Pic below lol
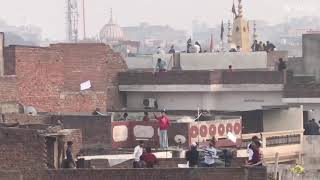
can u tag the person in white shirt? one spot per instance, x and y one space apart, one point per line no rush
249 149
160 51
138 151
197 48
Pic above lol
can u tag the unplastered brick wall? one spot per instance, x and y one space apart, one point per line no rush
49 78
75 136
144 174
22 149
40 78
96 130
8 89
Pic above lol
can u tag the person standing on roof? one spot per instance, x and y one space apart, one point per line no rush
172 50
160 51
192 156
256 159
164 124
70 159
138 151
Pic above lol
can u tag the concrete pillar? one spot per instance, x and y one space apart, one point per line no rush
176 62
1 54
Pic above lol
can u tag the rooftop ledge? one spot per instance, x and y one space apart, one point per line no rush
217 77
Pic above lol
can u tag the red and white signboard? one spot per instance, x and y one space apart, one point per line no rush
202 131
127 134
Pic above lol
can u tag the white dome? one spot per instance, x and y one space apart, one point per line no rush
111 32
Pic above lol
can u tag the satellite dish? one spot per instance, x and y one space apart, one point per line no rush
30 110
179 139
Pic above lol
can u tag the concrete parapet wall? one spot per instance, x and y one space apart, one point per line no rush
141 174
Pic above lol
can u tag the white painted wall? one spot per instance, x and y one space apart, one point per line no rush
233 101
238 60
168 101
309 104
204 61
243 101
314 111
148 61
282 120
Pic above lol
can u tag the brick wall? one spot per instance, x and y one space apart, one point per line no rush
22 149
49 78
8 89
144 174
40 77
74 135
9 61
95 129
10 175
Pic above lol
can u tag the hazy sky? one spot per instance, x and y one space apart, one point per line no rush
50 14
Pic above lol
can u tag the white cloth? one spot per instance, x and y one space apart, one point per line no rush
197 47
160 51
210 154
138 150
250 152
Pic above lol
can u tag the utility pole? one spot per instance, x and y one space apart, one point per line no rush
84 19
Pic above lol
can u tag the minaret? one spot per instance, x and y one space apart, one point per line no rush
229 33
240 32
112 20
240 10
255 35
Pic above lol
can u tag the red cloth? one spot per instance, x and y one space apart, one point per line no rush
150 159
164 122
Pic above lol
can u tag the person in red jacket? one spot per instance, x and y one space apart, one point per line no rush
164 124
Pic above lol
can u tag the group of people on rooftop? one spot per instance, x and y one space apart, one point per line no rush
211 158
143 158
262 46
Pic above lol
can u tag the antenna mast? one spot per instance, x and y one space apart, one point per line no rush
84 19
72 20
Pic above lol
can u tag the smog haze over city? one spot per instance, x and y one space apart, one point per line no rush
50 15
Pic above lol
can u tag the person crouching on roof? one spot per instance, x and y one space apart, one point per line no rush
210 155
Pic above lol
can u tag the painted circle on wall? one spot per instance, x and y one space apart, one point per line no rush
221 129
229 127
237 128
212 130
203 131
194 132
